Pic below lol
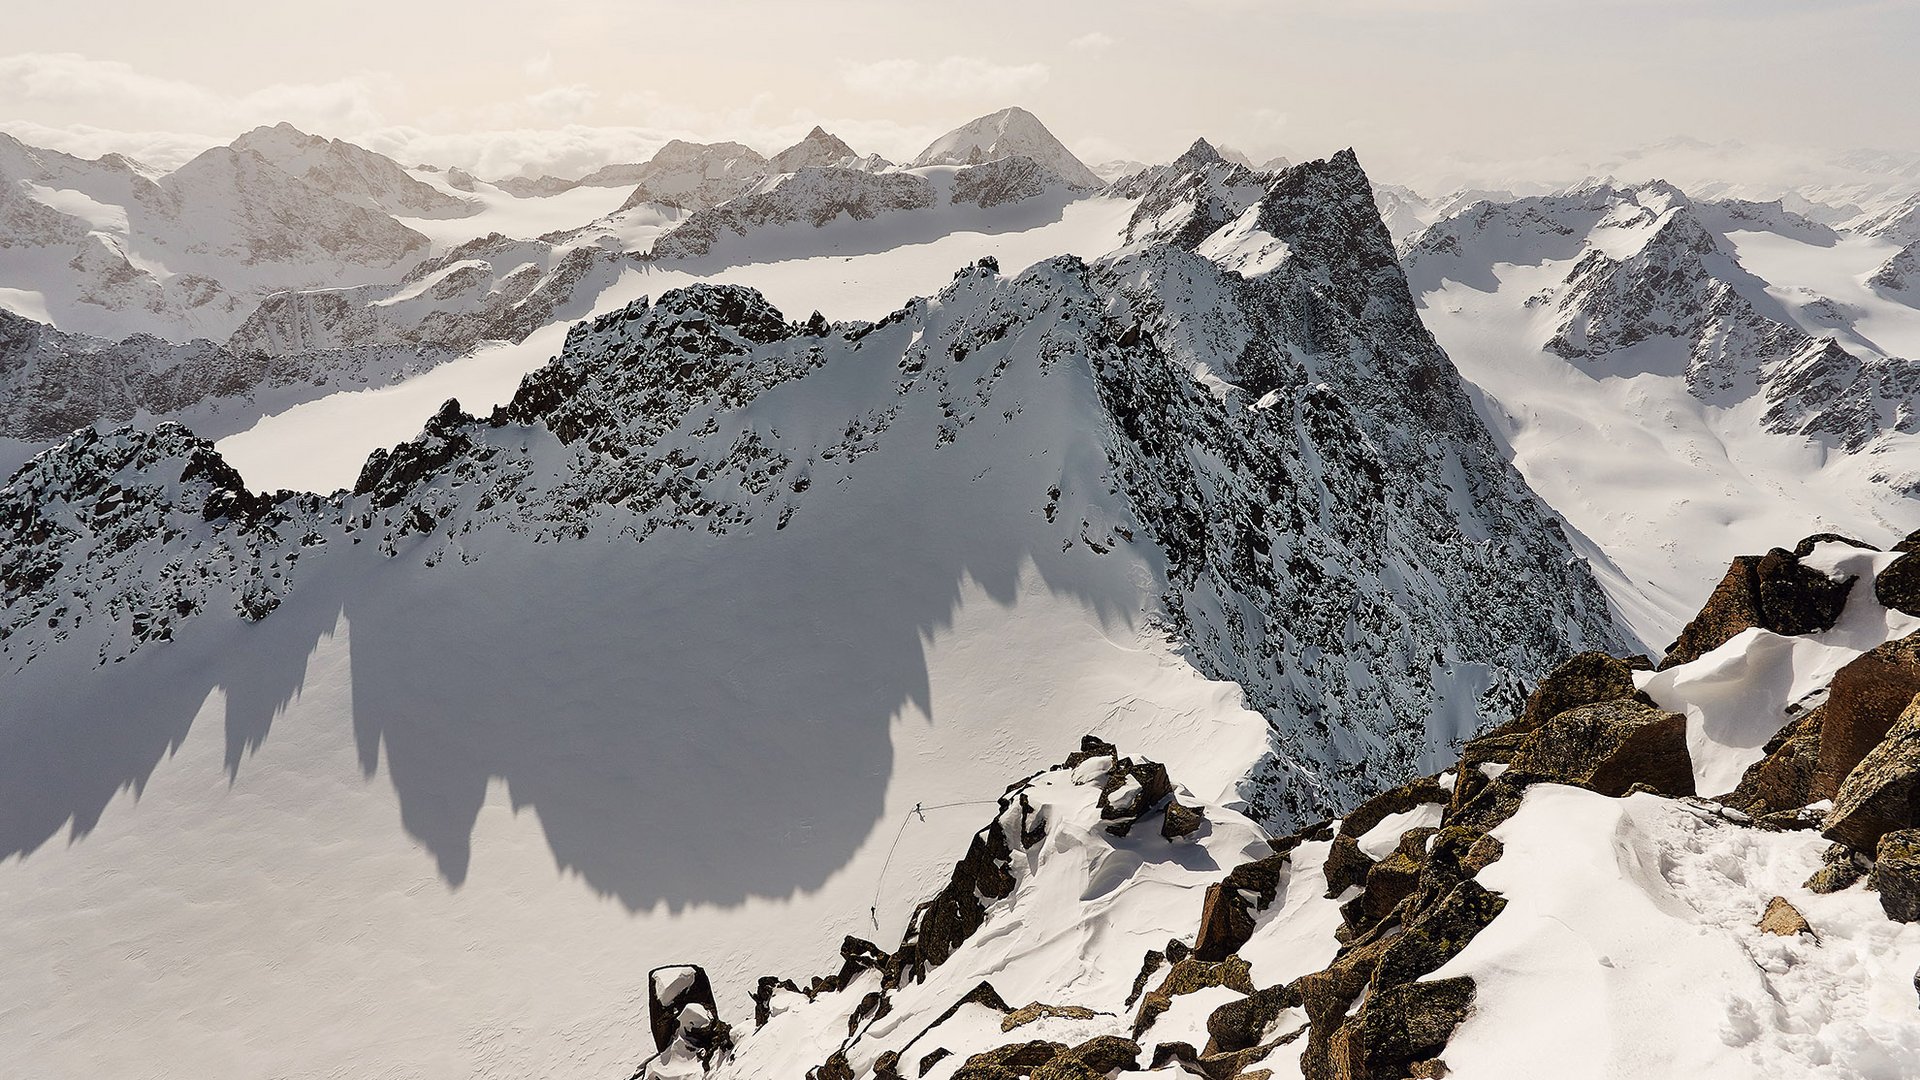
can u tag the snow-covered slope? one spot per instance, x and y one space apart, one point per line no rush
1011 132
351 173
712 604
694 176
1558 902
1672 374
102 247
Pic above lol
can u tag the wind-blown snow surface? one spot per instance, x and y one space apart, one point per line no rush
1628 948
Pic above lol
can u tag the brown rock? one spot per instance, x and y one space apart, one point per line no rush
1346 865
1772 591
1896 874
1882 793
1911 543
1027 1014
1586 679
1805 547
1491 749
1898 586
1179 821
1187 976
1227 914
1867 695
1611 746
1784 919
1783 779
1411 1022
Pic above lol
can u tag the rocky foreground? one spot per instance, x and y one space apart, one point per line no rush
1105 923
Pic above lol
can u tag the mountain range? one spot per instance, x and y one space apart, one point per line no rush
524 628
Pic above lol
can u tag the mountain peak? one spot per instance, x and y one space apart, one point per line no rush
819 148
1011 132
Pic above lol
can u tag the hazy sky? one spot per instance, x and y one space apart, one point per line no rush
1417 86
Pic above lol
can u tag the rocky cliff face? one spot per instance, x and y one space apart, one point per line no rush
1336 529
1187 200
351 173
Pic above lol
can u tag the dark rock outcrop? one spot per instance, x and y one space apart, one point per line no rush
1611 747
1586 679
1898 586
1772 591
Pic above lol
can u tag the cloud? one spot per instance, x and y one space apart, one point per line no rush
83 89
1094 41
538 67
563 104
950 77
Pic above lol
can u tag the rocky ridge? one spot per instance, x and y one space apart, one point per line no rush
1347 495
1371 945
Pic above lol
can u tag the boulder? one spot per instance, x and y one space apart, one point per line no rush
1774 591
1240 1024
1039 1010
1784 919
1840 867
1882 793
1187 976
1898 586
672 991
1805 547
1437 934
1411 1022
1490 749
1896 874
1610 747
1784 778
1586 679
1911 543
1865 698
1227 913
1179 821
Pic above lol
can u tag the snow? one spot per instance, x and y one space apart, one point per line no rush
1659 489
1242 246
1628 948
509 215
1735 697
1380 841
321 445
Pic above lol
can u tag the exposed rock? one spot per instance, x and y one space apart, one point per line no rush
1865 698
1910 543
1490 752
1027 1014
1611 746
1805 547
682 1014
1133 790
1227 913
1185 977
1240 1024
1410 1022
1841 867
1882 793
1437 934
1784 778
1179 821
1587 679
1896 874
1784 919
1346 865
1898 586
1772 591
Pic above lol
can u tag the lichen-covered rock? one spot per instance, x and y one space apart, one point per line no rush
1882 793
1610 747
1586 679
1865 698
1410 1022
1187 976
1227 913
1038 1010
1774 591
1840 868
1437 934
1896 874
